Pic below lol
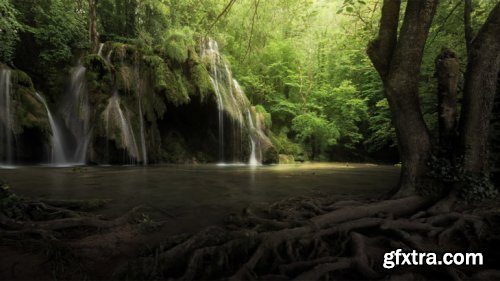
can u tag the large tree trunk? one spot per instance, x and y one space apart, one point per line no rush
398 62
447 74
479 94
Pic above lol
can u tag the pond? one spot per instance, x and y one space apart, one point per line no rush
193 196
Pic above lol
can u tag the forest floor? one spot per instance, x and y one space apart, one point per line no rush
304 237
92 253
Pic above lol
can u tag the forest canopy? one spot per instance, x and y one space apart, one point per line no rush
302 61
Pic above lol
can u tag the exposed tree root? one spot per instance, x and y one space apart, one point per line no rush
342 240
26 218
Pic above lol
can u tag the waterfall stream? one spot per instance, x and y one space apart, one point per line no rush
6 118
212 51
99 52
143 136
231 100
76 113
238 138
253 158
58 155
114 116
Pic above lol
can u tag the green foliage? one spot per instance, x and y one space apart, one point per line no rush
201 79
266 116
158 69
177 43
343 105
9 30
315 130
477 188
472 188
58 29
284 145
382 133
119 18
30 112
303 65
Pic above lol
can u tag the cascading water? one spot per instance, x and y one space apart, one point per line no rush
6 118
114 116
212 51
143 136
58 155
141 117
76 113
253 157
230 99
254 132
99 52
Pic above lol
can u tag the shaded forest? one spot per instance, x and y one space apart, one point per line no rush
410 83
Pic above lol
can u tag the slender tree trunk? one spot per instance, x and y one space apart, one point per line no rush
398 61
447 74
479 94
469 32
93 36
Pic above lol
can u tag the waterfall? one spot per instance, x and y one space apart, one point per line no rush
76 113
58 156
143 137
141 117
6 118
101 46
254 132
253 158
114 115
212 51
230 100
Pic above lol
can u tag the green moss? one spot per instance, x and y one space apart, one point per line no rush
125 78
180 94
264 115
177 43
30 112
22 79
158 70
201 80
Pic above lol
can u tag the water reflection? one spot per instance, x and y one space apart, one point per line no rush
197 195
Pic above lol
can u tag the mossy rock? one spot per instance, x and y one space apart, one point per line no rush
177 44
22 79
29 110
159 72
201 80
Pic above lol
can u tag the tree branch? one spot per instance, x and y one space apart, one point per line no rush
381 49
226 10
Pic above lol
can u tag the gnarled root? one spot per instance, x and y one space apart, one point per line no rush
39 219
341 240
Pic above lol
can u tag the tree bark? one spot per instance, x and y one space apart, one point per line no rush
469 32
398 62
447 74
479 94
93 35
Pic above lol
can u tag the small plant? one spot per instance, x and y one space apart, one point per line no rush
472 188
477 188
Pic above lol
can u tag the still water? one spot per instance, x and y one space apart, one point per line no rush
191 197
